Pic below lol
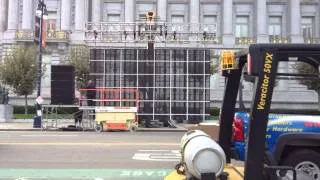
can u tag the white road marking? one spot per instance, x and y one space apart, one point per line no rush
49 135
175 151
157 155
87 144
154 150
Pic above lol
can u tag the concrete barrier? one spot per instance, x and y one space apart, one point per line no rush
6 112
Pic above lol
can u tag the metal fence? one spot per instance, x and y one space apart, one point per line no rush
155 31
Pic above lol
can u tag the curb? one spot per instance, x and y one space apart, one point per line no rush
31 121
138 130
20 129
162 130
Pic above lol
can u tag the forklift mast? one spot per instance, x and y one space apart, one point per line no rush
262 63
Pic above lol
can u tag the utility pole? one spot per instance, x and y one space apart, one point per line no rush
41 15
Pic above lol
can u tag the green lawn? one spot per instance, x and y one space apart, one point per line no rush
23 116
214 118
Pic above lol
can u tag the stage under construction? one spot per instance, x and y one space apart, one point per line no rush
172 84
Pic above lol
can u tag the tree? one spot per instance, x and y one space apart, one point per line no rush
214 64
79 58
312 84
19 71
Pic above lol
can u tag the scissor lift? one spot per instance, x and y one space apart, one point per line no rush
114 109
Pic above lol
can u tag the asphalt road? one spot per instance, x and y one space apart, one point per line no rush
88 155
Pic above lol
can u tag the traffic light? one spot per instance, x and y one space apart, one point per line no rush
150 16
37 29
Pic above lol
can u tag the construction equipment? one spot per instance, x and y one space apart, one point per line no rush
262 63
113 108
116 118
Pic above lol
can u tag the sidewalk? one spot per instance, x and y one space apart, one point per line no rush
11 126
27 125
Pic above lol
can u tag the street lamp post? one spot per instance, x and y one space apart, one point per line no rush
41 14
95 53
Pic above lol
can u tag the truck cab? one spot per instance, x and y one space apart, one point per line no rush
283 129
260 137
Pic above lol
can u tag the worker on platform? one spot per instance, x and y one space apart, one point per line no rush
91 93
79 113
91 96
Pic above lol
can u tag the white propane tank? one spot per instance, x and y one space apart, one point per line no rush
201 154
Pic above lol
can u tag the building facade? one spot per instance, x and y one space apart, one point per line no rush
179 27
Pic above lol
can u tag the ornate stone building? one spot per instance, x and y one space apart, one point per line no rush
181 24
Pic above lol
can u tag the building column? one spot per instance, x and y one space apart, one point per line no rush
296 37
3 15
129 16
194 15
13 15
228 37
80 18
295 21
96 13
129 9
283 85
162 10
262 30
65 15
27 14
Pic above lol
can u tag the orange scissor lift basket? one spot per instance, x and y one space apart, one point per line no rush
112 111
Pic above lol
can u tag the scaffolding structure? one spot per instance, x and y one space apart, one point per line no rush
54 117
173 83
157 32
116 97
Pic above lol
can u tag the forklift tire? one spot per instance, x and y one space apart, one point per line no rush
305 160
98 128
